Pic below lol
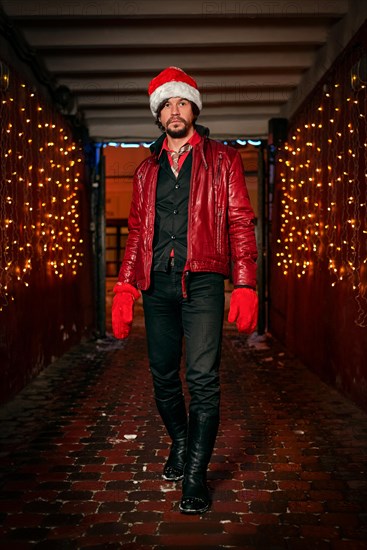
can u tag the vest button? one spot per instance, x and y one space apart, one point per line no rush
177 186
173 237
175 211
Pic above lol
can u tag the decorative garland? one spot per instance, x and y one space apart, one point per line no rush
41 168
323 172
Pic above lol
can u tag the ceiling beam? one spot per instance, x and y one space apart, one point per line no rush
75 63
120 81
163 35
210 8
103 83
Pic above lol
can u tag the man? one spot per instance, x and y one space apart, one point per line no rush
190 219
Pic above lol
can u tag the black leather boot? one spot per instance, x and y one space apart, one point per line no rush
203 430
174 416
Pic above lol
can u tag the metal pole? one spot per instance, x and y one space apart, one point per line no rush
98 230
101 248
261 242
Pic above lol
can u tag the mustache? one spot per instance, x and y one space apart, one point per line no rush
175 119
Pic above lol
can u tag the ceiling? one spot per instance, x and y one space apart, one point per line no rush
252 60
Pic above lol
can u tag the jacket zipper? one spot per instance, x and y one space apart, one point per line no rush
216 182
218 212
220 158
151 214
186 271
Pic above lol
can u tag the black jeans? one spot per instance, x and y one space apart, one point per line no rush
168 318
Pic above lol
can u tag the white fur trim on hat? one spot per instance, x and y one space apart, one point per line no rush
174 89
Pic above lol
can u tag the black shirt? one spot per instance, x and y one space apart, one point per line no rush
171 214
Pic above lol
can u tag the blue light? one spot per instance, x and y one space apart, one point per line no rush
127 145
254 142
241 141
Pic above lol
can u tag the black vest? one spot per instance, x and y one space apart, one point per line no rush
171 213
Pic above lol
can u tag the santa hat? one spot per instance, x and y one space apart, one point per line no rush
172 82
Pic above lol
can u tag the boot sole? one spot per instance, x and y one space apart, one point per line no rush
194 511
178 478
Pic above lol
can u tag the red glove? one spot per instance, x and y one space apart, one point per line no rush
123 309
243 309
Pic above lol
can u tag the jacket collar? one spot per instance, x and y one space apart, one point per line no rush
157 145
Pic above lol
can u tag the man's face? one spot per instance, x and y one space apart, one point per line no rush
177 117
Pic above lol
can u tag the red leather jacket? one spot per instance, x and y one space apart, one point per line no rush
220 233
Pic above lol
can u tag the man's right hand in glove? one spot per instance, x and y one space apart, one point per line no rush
123 309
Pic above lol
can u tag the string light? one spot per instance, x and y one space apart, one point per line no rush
323 172
39 195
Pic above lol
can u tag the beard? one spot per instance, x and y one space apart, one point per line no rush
180 132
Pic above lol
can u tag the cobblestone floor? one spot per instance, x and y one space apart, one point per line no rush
82 449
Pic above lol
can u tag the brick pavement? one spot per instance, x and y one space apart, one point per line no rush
82 449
